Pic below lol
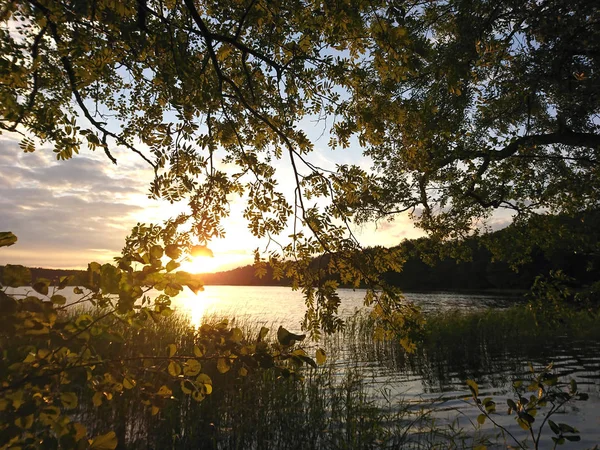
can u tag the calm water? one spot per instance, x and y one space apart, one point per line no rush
435 380
282 306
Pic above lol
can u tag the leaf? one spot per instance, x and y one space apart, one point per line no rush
236 335
481 419
262 334
7 238
473 387
195 286
223 365
129 383
24 422
80 431
16 276
59 300
106 441
154 410
573 386
567 428
164 391
192 368
68 400
156 252
174 369
321 357
198 396
199 350
173 251
97 399
171 350
172 265
286 338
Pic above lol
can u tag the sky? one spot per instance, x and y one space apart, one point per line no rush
69 213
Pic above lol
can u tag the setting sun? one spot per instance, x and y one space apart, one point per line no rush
205 264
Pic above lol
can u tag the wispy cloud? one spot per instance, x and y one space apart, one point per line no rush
68 212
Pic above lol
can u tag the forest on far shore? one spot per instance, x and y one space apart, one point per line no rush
424 270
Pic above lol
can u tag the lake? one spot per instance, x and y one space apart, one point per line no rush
433 380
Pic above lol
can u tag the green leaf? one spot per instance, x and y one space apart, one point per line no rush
573 386
481 419
567 428
41 286
106 441
58 299
68 400
156 252
7 238
173 251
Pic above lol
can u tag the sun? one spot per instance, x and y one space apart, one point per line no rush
203 264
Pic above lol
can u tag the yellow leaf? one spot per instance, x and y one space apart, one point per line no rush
128 382
186 390
192 368
174 369
154 410
80 431
199 351
243 372
164 391
198 396
172 349
236 335
106 441
97 399
223 365
321 357
25 422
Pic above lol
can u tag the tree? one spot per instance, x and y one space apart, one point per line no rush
469 107
185 85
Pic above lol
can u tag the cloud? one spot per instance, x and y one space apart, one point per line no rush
65 213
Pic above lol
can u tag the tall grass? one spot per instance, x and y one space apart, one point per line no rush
336 406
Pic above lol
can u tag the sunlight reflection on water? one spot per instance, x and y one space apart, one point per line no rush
268 305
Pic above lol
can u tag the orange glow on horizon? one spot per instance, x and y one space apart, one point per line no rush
216 263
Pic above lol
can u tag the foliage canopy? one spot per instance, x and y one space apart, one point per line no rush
465 106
